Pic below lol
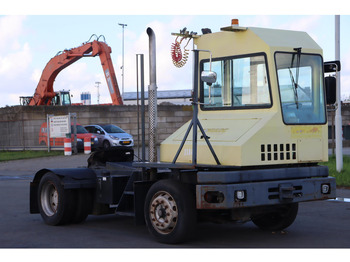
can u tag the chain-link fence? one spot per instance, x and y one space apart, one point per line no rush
24 127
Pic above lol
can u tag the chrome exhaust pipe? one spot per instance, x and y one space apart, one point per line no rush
152 98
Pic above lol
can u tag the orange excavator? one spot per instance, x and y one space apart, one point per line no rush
44 93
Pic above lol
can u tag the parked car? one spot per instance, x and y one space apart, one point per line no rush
81 134
111 136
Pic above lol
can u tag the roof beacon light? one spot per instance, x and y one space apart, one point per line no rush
234 22
234 27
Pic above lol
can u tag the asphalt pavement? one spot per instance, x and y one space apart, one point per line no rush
319 224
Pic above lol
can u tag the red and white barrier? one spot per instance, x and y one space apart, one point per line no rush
87 145
67 147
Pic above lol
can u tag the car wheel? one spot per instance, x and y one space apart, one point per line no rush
106 145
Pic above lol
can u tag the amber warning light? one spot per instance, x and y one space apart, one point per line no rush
234 22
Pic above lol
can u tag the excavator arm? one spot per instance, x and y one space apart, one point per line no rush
44 92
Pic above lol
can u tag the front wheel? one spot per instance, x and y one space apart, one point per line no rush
106 145
282 217
170 212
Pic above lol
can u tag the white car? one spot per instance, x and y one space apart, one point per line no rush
110 136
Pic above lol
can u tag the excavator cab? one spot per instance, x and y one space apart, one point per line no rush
61 98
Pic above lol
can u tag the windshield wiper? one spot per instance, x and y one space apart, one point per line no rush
295 81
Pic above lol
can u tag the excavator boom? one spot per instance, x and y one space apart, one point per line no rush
44 92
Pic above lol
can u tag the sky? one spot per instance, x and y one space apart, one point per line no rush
30 38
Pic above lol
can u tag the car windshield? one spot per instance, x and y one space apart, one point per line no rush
80 130
300 80
112 129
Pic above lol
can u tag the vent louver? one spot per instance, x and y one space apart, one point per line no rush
276 152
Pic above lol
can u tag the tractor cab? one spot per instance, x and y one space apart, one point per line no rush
266 105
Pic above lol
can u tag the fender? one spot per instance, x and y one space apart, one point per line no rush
71 178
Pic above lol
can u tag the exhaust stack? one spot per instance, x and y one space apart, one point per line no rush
152 97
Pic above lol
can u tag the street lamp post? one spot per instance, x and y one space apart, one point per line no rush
98 92
123 25
338 117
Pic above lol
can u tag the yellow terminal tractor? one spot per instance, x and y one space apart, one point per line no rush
250 152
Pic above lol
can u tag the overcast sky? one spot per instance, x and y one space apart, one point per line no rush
29 41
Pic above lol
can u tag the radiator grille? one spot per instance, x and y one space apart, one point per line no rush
277 152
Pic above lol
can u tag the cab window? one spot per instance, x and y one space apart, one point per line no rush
242 82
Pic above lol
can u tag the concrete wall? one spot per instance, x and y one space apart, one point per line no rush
20 125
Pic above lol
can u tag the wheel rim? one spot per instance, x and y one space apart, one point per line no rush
49 199
163 212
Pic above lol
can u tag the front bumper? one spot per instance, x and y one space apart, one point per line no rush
124 143
295 185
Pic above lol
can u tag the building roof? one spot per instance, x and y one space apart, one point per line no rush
165 94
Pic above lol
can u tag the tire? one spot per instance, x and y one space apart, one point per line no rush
56 205
170 212
84 200
106 145
279 219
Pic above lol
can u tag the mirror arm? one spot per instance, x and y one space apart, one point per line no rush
202 50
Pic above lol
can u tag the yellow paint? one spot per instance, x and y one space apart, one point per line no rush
238 136
306 132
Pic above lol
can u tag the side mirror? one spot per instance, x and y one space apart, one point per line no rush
208 77
331 89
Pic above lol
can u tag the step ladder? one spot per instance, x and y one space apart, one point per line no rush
126 205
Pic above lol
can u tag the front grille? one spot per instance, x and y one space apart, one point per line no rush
275 152
277 192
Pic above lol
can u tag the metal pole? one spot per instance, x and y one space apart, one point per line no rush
143 132
123 25
98 92
48 131
195 106
338 118
138 105
75 148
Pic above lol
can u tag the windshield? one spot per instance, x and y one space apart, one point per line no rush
300 80
113 129
65 99
80 130
242 82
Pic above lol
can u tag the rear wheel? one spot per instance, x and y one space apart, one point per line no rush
278 219
170 212
84 199
56 205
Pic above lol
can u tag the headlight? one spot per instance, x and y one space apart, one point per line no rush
326 189
95 139
240 195
113 137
